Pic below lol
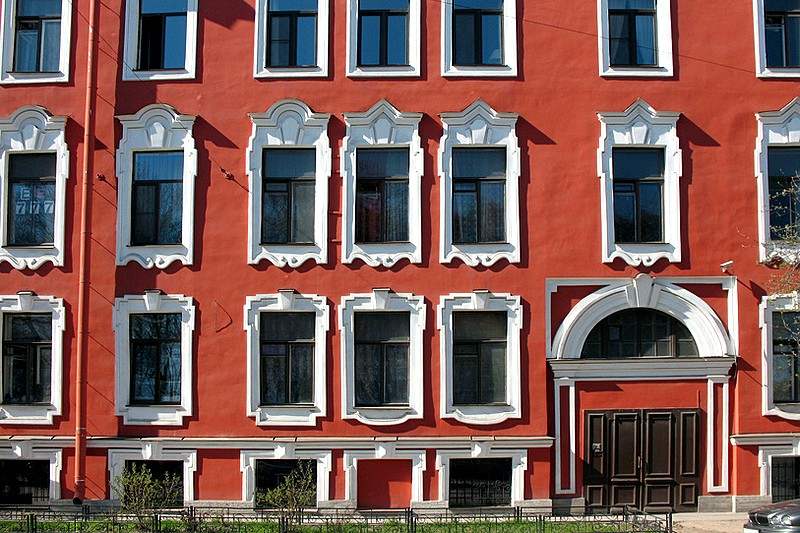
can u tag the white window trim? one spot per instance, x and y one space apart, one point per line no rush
153 301
379 451
664 55
386 71
32 129
769 304
28 302
260 70
129 70
383 300
286 301
288 123
247 464
157 127
480 126
27 451
641 125
7 35
509 69
152 451
775 128
383 126
481 300
762 70
765 456
484 450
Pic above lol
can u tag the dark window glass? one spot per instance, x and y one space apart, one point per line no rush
785 367
32 199
479 357
291 33
480 482
37 43
382 32
162 34
24 482
638 190
157 198
639 333
27 347
382 195
287 358
632 32
288 196
155 358
478 32
169 474
270 473
784 192
785 478
782 33
382 342
479 195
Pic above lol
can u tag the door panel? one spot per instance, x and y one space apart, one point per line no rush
625 447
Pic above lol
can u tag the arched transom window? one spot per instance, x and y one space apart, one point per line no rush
639 333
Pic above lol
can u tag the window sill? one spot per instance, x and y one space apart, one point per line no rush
486 414
383 254
489 71
397 71
19 78
636 72
291 255
159 256
27 414
32 257
155 415
787 411
287 415
481 254
637 254
382 415
156 75
291 72
779 72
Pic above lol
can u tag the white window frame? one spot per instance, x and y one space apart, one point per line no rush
247 464
762 70
664 53
383 300
27 302
484 450
509 69
480 126
152 301
7 37
260 70
481 300
286 301
383 126
30 130
157 127
131 44
385 71
641 126
770 304
775 128
27 451
288 123
152 451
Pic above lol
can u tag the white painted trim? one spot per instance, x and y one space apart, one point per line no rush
641 125
130 72
288 123
641 368
383 300
27 451
571 439
664 56
153 451
711 435
157 127
411 70
247 464
152 415
509 69
383 126
38 414
383 450
484 450
769 305
286 415
320 70
32 129
762 70
479 126
7 37
765 456
481 301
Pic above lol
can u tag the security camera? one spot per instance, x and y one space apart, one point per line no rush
726 266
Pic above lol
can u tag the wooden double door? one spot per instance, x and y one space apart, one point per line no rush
648 459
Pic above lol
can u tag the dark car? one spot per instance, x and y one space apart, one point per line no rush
777 517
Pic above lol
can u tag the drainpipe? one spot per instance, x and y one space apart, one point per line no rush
86 186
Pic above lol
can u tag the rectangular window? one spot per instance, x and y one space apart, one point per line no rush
287 358
271 473
37 46
638 191
162 34
632 33
785 369
479 357
382 341
157 198
785 478
480 482
382 32
479 190
288 202
784 192
782 32
32 199
155 358
478 32
168 476
27 355
291 33
24 482
381 195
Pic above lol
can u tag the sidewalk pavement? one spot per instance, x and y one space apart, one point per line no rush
708 522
